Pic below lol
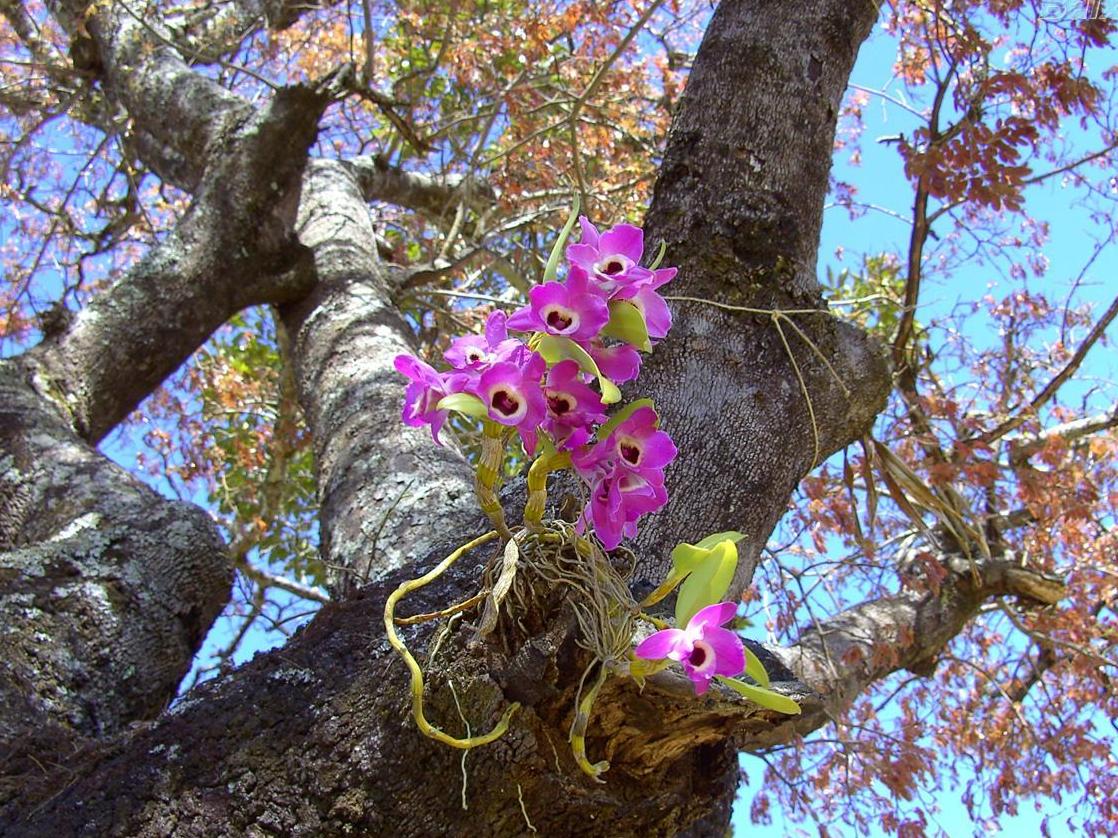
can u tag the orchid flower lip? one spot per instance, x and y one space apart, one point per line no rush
561 319
704 649
506 402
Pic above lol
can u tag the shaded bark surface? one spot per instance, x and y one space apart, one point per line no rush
330 747
106 588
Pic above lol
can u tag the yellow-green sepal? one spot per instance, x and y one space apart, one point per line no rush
760 695
627 323
640 668
555 349
754 668
686 558
464 403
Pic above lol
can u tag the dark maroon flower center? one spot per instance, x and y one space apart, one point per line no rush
473 356
505 403
698 657
560 403
612 266
558 320
630 453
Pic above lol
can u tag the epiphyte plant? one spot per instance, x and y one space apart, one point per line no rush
553 390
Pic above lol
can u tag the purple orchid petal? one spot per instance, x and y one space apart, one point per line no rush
618 363
559 310
640 445
523 319
657 315
669 643
512 393
727 650
639 494
589 232
495 328
623 240
466 352
426 389
700 684
662 276
713 615
573 408
583 256
607 524
477 353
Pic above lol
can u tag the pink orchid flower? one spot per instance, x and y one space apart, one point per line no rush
704 648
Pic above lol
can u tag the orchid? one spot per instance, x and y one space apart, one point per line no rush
573 408
478 352
618 363
512 396
657 316
704 648
585 331
611 259
625 473
618 499
569 309
426 389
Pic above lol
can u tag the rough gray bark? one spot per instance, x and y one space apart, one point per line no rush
106 588
739 202
316 738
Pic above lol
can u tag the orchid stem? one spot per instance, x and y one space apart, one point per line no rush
489 477
578 730
537 485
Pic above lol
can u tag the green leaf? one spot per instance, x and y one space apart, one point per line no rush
659 255
627 323
711 540
620 416
555 349
762 696
709 579
755 669
551 270
687 557
464 403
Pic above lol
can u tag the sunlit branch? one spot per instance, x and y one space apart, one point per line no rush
272 580
1021 447
1053 386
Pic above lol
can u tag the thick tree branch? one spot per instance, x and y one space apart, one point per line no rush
182 113
739 202
841 657
332 749
106 589
386 492
233 248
